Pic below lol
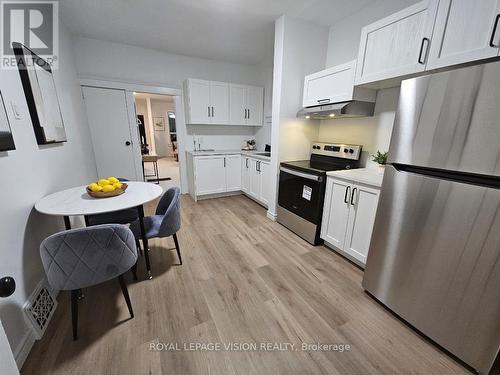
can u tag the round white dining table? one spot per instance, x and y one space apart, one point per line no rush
77 202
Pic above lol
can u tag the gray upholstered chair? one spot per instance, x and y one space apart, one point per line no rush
167 220
79 258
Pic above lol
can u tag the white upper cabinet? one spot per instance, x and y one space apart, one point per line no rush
221 103
246 105
255 105
207 102
238 104
333 85
397 45
465 31
199 101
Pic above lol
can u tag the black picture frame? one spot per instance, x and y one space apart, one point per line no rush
41 96
6 138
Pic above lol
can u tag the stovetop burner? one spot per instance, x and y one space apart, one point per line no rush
327 157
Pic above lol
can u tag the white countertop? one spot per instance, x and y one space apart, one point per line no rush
230 152
369 176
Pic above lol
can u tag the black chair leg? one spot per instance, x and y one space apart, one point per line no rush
134 271
74 312
177 247
138 244
125 294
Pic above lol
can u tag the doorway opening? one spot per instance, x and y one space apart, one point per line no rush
156 120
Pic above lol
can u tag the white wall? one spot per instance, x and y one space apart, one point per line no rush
373 133
344 36
31 172
160 108
300 49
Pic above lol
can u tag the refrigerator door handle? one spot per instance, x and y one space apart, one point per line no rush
492 181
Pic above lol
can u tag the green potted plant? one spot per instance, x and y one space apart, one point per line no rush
381 159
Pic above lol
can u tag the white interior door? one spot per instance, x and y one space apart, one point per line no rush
233 172
7 363
464 31
110 130
219 103
199 102
336 212
237 104
255 105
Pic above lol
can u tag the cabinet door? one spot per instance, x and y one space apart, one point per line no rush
255 105
255 184
199 101
464 31
330 85
210 175
396 45
245 174
336 212
265 182
363 202
219 103
237 104
233 172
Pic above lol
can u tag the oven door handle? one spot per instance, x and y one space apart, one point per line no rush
301 174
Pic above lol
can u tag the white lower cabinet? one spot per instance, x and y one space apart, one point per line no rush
258 180
348 217
245 174
217 174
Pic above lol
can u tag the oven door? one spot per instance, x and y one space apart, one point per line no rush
302 193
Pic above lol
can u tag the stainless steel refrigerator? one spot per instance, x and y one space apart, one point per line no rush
434 257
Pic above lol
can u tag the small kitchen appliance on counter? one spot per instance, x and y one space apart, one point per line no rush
302 187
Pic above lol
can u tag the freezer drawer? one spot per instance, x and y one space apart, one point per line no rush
434 260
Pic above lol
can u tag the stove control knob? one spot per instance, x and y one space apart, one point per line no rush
351 151
346 150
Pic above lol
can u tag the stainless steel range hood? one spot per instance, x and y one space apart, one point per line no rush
353 108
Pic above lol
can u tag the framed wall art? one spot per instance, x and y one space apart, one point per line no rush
41 95
159 123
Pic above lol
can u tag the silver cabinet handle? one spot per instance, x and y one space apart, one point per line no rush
212 111
224 162
352 196
425 41
347 191
246 163
248 113
323 101
492 40
208 111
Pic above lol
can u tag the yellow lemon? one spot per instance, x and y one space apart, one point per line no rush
94 187
108 188
113 180
104 182
117 185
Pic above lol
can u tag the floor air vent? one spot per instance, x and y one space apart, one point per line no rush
39 309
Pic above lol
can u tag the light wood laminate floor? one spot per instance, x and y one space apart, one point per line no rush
245 279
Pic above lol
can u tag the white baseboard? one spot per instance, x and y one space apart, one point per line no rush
271 216
23 349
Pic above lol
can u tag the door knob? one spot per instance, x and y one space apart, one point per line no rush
127 143
7 286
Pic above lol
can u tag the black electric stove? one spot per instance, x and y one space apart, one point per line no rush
302 187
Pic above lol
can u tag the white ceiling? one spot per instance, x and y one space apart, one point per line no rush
240 31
